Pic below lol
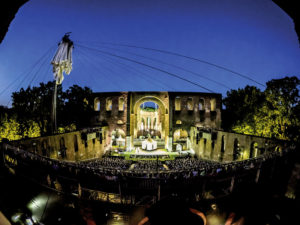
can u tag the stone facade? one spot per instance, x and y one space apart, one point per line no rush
178 110
187 121
73 146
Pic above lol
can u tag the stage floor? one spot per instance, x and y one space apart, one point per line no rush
153 152
144 154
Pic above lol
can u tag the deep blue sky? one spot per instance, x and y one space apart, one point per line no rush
252 37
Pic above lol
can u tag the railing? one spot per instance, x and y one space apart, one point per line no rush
88 181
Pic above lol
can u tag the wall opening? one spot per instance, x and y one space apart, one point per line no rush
190 104
108 104
62 147
177 104
121 104
97 104
236 149
201 104
149 121
253 150
213 104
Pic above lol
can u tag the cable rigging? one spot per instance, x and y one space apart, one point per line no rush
169 64
31 68
131 69
188 57
147 65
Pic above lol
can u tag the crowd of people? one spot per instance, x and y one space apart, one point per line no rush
118 166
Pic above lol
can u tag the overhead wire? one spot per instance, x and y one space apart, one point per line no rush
169 64
38 71
80 59
34 75
27 73
188 57
91 62
141 74
46 72
149 66
100 66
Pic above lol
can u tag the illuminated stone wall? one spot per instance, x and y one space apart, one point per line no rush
113 117
219 145
196 110
161 99
190 113
73 146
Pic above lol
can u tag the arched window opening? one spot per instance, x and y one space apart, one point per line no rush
213 104
178 122
97 104
253 149
149 120
108 104
236 149
177 104
121 104
190 104
62 147
223 144
201 104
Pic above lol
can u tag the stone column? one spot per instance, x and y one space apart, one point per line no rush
170 143
128 143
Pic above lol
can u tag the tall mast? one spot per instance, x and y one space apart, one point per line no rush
62 63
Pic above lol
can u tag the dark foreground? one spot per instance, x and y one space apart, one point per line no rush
20 199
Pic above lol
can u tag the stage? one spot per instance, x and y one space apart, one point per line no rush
139 154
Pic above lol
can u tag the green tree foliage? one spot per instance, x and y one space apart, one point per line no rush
12 130
30 115
241 105
35 103
272 113
9 128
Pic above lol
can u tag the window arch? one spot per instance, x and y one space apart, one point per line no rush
213 104
177 103
236 149
223 144
108 104
97 104
190 104
121 104
201 104
62 147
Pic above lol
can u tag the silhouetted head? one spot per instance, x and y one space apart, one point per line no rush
172 211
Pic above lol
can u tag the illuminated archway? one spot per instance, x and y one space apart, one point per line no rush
148 120
157 126
180 139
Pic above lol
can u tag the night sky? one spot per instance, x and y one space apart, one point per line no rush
252 37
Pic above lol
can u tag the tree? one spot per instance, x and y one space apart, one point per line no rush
35 104
272 113
241 105
9 128
279 111
78 106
